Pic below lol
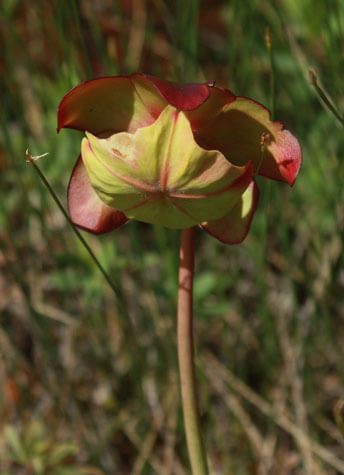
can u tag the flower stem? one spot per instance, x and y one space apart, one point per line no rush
75 230
194 441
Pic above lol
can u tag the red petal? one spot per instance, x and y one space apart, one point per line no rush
114 103
234 226
182 96
208 110
86 210
238 130
284 158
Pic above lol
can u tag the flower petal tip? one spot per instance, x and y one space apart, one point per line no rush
291 162
234 226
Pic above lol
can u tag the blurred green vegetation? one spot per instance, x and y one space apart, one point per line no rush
89 380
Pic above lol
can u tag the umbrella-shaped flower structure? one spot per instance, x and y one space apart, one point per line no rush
177 155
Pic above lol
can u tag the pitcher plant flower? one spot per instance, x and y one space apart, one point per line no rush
177 155
171 154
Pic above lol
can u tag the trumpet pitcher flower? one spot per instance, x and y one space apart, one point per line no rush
171 154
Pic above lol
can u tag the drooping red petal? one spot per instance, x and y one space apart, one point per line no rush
86 210
283 158
114 103
184 97
125 103
243 131
234 226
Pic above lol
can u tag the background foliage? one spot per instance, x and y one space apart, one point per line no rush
89 379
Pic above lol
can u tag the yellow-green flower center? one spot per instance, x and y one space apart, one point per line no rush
160 175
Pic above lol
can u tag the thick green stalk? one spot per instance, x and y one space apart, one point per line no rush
194 441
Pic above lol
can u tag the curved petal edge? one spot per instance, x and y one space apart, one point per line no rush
111 104
86 210
125 103
243 131
185 97
234 226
